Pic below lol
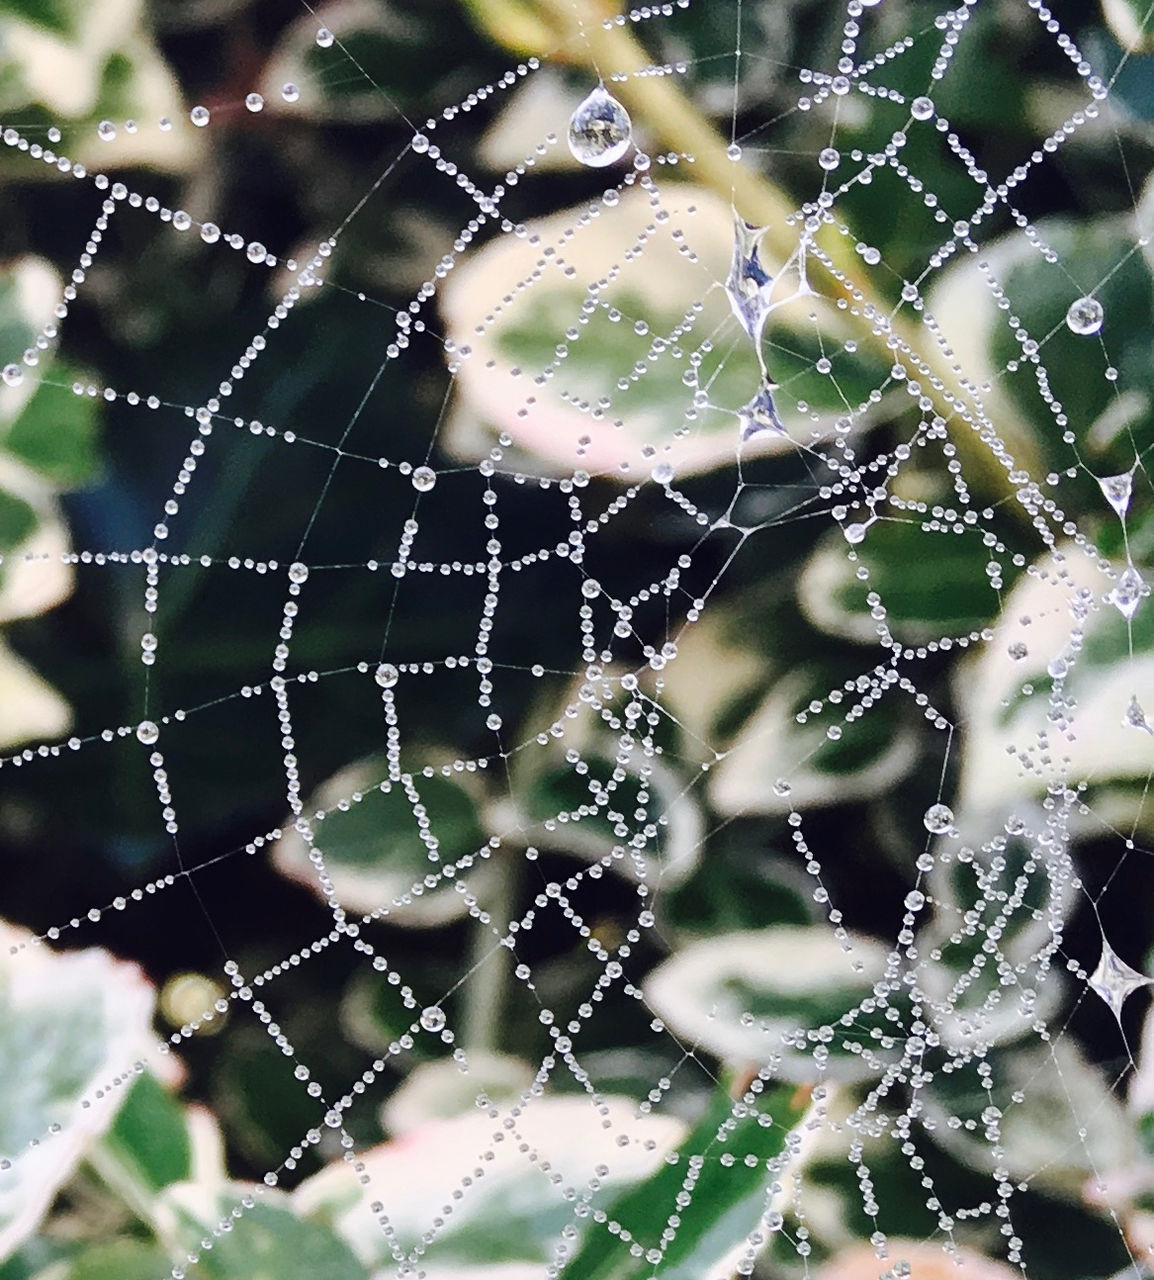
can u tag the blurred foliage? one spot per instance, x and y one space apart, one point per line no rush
740 939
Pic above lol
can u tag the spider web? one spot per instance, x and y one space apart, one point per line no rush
528 540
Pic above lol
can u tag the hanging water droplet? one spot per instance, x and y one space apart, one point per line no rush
782 787
922 108
1116 490
298 572
148 731
199 116
254 102
493 721
387 675
829 158
256 252
1127 593
1017 650
13 375
1135 717
1085 315
333 1119
432 1018
938 819
749 284
760 414
290 92
662 473
106 131
324 37
423 479
209 232
1115 981
600 131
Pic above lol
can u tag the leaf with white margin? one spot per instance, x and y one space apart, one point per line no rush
557 423
931 584
441 1089
373 853
743 994
872 753
99 60
1015 891
1053 1080
270 1240
554 799
1006 701
512 1211
69 1023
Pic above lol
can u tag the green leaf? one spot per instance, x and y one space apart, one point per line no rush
726 1203
58 16
738 995
269 1241
932 583
67 1021
374 853
116 1260
17 520
629 354
150 1136
56 433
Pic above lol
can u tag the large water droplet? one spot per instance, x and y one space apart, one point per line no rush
424 478
938 819
600 131
749 284
148 731
1116 490
1115 981
13 375
1135 717
432 1018
1085 315
760 414
1127 593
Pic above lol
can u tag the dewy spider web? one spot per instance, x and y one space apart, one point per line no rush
786 343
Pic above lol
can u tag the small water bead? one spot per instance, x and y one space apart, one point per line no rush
210 233
1116 490
298 572
493 722
148 731
433 1018
782 787
387 675
423 479
254 102
840 85
662 473
733 151
13 375
591 588
922 108
1017 650
1085 316
938 819
324 38
759 415
106 131
181 221
600 131
199 116
290 92
333 1119
1127 593
829 158
256 252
